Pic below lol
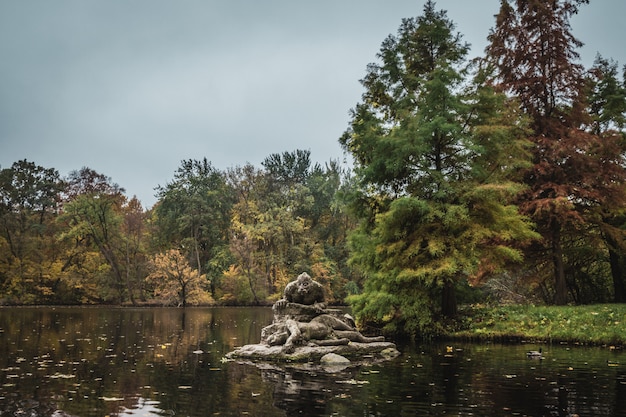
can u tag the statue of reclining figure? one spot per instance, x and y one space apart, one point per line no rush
324 330
301 316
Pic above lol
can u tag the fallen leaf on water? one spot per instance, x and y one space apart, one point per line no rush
61 376
353 382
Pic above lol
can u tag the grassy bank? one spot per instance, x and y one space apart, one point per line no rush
593 324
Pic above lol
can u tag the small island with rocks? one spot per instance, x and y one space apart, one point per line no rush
305 330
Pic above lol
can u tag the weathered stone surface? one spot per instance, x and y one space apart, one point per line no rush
313 353
333 358
304 330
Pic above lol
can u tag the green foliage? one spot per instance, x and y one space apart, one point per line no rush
607 97
93 222
193 215
288 219
29 198
434 162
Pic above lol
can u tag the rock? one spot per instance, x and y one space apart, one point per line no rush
390 352
334 359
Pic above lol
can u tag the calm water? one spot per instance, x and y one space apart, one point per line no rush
168 362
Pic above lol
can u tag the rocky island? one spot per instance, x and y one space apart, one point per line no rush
305 330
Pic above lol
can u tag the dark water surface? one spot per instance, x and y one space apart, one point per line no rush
169 362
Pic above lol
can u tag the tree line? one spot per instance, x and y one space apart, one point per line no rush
229 237
499 178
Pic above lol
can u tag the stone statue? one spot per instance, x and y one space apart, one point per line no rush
304 329
323 330
303 291
301 317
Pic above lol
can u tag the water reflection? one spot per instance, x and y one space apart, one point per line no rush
158 362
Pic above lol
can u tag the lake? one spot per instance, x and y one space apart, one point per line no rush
106 361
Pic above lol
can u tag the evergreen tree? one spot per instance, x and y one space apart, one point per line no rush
607 107
434 159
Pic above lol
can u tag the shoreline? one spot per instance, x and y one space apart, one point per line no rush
587 325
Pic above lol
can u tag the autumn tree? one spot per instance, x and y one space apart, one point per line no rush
288 219
247 183
575 171
288 205
134 233
268 237
29 258
193 215
92 218
331 221
434 198
175 282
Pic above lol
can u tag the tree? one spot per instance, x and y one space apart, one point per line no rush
93 218
29 200
175 281
330 222
134 237
607 108
433 210
193 213
247 183
574 171
269 236
607 97
290 168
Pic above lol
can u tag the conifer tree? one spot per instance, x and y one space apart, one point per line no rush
574 171
435 185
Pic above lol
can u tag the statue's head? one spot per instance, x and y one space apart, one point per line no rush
303 290
304 281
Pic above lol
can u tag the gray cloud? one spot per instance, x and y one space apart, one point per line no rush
132 88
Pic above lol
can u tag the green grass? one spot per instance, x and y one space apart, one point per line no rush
593 324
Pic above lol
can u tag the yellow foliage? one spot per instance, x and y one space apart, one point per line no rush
175 282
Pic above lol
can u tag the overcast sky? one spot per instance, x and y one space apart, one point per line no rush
131 88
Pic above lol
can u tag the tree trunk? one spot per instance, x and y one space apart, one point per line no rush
617 271
197 253
183 295
251 283
560 285
448 299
